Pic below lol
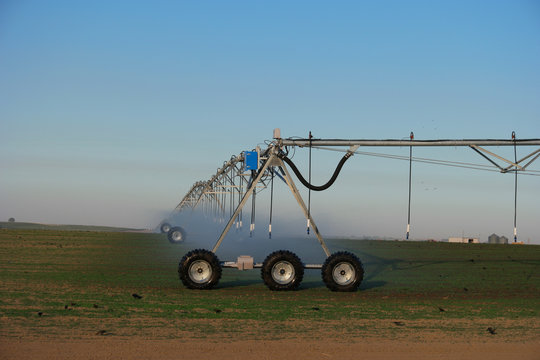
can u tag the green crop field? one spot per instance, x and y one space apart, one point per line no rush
36 226
74 284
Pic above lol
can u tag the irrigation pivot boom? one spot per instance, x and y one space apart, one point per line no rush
474 144
216 195
238 180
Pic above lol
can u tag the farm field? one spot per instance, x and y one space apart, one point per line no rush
109 292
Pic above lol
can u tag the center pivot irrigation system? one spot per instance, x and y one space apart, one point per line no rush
226 194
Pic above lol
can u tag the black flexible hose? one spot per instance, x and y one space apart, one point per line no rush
314 187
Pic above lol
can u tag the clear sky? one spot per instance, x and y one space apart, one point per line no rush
111 110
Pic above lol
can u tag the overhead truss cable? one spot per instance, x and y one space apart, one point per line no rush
457 164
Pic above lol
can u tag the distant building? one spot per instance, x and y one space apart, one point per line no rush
496 239
463 240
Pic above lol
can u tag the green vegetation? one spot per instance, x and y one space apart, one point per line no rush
35 226
74 283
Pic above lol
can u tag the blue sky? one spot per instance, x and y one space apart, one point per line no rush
109 111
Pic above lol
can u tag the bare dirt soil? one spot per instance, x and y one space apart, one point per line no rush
374 339
140 348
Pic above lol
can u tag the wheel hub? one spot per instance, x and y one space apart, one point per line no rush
200 271
344 273
283 272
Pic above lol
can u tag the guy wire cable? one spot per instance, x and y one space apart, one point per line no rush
457 164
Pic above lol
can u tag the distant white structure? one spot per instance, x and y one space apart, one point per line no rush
463 240
496 239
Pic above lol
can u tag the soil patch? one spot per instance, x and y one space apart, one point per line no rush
137 348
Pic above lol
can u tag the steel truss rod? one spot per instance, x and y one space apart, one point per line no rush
511 167
480 150
216 178
460 164
215 193
192 195
523 159
402 157
472 143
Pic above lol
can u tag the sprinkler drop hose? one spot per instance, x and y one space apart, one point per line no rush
315 187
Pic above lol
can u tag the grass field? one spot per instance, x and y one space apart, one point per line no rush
75 284
37 226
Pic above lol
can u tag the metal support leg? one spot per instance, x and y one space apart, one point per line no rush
248 193
300 201
274 161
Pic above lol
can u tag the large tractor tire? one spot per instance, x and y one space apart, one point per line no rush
342 271
199 269
176 235
282 270
165 227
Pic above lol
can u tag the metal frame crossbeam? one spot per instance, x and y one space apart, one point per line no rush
474 144
396 142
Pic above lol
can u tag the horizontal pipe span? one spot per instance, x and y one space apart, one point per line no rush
395 142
